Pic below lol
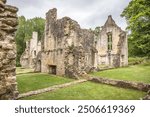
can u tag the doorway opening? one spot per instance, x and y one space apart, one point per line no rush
39 66
52 69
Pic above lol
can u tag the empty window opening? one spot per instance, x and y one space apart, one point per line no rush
52 69
109 38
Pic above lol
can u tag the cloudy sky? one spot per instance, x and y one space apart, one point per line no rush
88 13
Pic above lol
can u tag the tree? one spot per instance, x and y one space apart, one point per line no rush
20 36
137 14
36 24
24 33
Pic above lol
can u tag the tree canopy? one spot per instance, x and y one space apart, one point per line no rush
24 33
137 14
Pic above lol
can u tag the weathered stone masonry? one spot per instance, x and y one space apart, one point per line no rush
72 51
8 23
33 47
68 49
112 46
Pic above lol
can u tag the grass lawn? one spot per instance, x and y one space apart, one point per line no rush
90 91
20 70
138 73
34 81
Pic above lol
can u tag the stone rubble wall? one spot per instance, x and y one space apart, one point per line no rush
52 88
8 23
147 97
124 84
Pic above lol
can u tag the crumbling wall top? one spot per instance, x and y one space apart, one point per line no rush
51 15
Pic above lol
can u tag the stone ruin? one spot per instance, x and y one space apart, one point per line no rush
33 47
69 50
112 46
8 23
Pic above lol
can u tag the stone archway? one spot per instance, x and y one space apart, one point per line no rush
8 23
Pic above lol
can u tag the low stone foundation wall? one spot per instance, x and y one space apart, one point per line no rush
147 97
52 88
123 84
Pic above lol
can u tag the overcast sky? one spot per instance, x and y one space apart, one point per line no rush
88 13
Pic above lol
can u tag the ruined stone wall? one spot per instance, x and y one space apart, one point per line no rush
122 83
67 48
8 23
33 47
123 49
118 56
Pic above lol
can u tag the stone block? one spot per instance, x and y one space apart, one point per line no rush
7 46
11 55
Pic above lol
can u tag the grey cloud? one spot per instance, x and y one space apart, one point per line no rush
25 3
89 13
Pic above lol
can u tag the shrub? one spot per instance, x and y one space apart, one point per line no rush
136 60
146 62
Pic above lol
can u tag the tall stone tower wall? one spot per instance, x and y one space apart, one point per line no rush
68 49
8 23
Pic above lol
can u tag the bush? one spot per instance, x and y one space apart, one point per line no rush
146 62
136 60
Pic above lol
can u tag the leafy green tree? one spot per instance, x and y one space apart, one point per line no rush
137 14
97 31
20 36
35 24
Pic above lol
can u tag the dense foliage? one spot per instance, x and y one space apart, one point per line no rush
137 14
24 33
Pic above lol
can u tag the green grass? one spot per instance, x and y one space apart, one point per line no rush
138 73
34 81
90 91
20 70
